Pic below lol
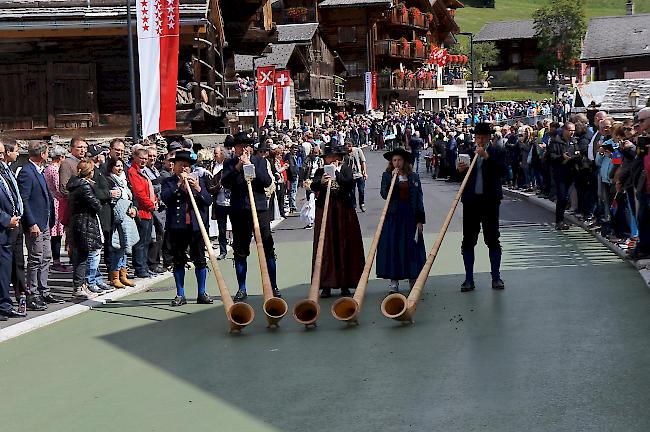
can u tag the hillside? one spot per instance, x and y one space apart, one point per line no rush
471 19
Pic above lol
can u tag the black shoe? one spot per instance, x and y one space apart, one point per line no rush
240 296
157 269
142 275
34 303
498 284
221 257
50 299
467 286
636 255
562 226
326 293
363 208
12 313
345 292
204 299
178 301
3 318
276 293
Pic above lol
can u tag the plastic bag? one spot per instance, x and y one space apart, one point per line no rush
308 210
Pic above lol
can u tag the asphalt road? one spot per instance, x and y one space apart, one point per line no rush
564 347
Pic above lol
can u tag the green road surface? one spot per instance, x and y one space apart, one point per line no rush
563 348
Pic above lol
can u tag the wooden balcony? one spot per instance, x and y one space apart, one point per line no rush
397 19
393 48
391 82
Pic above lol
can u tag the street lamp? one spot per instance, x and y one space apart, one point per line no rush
471 66
633 99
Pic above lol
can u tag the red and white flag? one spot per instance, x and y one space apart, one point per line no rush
158 30
265 81
283 94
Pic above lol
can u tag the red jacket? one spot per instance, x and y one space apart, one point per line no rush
142 192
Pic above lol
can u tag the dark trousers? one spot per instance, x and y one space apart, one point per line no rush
55 244
643 222
17 240
280 191
108 249
155 247
221 213
477 213
141 248
5 276
242 233
562 184
181 239
79 259
360 185
166 252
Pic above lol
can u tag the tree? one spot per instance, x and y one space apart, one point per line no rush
560 26
485 55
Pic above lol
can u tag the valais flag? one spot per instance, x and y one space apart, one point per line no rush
265 80
283 94
158 29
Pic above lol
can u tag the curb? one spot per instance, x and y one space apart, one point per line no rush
29 325
643 266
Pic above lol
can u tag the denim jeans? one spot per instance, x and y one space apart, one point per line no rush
93 276
118 260
416 155
293 191
360 185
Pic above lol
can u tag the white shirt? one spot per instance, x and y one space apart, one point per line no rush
590 149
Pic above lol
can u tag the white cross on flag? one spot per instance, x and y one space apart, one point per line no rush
283 94
265 80
158 30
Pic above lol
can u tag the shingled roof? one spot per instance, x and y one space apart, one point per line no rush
612 95
354 3
297 32
506 30
49 14
617 36
279 57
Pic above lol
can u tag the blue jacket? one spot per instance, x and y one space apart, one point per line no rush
234 180
6 213
178 201
415 195
37 200
492 169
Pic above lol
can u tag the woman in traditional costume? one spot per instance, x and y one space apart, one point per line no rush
401 254
343 255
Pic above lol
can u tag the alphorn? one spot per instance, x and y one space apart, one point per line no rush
274 308
348 309
307 311
239 314
396 306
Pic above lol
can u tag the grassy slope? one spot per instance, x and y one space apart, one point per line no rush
472 19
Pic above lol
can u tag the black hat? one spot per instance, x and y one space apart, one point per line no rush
174 146
400 151
184 156
334 150
243 138
483 129
95 150
229 142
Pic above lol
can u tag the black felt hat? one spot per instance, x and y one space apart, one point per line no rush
243 138
483 129
400 151
229 142
184 156
334 150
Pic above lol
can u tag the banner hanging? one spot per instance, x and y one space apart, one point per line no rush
283 94
265 81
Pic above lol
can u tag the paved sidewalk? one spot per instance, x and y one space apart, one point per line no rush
643 266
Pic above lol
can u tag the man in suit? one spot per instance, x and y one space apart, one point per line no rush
481 202
38 218
182 224
10 212
240 210
416 144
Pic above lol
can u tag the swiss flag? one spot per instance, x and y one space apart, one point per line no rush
283 94
158 30
265 81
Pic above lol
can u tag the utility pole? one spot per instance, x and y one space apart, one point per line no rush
471 65
134 112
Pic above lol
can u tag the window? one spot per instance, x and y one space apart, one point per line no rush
347 34
515 58
356 68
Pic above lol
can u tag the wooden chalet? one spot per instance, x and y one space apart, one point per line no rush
517 47
382 36
64 67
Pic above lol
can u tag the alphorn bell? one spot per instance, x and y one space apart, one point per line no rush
348 309
307 311
239 314
274 308
397 306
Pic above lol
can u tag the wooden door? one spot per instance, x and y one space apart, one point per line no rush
72 95
23 96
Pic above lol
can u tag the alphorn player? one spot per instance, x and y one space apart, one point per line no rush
401 254
182 224
343 256
481 201
241 217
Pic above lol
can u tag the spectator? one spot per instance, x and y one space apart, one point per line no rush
57 154
124 231
84 230
416 144
221 200
291 159
563 157
357 161
146 202
38 218
158 218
